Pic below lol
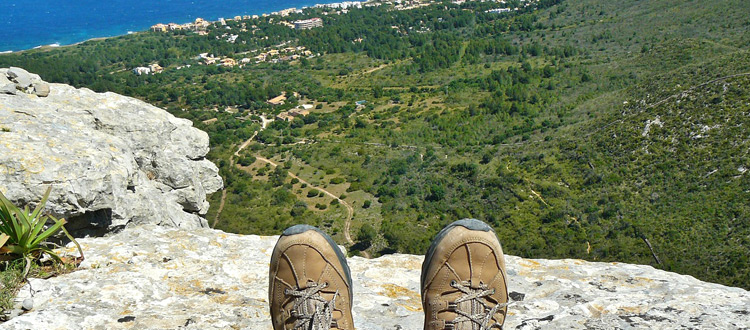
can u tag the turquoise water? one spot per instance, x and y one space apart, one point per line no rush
23 26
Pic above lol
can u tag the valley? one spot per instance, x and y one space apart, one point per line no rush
596 130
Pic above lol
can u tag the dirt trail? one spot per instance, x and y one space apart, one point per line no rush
349 208
264 123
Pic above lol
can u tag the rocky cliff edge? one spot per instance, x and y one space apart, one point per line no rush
152 277
111 160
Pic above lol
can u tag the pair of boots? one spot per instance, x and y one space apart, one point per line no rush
463 280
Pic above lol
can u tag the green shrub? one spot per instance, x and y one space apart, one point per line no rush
312 193
23 233
366 234
247 160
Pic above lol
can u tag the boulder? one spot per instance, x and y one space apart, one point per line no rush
152 277
21 77
6 86
41 89
111 160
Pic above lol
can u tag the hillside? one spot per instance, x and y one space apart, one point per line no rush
598 130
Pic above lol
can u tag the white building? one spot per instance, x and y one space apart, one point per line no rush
308 23
141 70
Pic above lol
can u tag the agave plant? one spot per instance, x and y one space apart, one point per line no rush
23 233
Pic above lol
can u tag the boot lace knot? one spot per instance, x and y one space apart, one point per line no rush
474 307
311 311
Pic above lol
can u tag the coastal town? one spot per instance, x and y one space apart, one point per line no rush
232 29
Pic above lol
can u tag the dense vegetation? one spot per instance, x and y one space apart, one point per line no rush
586 129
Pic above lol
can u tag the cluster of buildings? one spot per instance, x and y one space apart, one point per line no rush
271 56
341 5
499 10
300 111
289 53
524 4
199 25
151 69
210 59
283 54
410 4
287 12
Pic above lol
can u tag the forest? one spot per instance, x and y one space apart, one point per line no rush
540 121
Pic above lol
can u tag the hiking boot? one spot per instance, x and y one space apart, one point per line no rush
309 282
464 285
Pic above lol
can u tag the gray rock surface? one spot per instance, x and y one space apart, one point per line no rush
16 79
6 86
41 89
21 77
27 304
150 277
110 159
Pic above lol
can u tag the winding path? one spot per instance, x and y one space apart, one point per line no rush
264 123
349 208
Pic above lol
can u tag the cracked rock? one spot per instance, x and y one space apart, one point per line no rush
111 160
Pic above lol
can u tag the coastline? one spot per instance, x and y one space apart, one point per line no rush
271 13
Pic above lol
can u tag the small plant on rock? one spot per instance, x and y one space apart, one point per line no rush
23 233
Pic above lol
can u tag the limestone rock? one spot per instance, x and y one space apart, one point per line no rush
110 159
6 86
27 304
41 89
149 277
21 77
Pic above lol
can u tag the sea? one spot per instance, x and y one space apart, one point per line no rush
28 24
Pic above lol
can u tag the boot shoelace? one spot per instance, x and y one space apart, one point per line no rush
311 311
472 307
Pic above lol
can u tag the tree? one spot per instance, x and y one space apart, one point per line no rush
366 234
247 160
278 176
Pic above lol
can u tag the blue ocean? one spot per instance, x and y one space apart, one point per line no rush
27 24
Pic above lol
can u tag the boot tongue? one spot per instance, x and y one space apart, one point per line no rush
474 283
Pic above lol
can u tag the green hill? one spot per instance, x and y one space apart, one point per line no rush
601 130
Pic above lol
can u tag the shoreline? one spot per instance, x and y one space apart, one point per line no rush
273 13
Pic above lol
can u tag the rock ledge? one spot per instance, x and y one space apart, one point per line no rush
110 159
151 277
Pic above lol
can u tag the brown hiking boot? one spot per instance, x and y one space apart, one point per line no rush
309 282
464 285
